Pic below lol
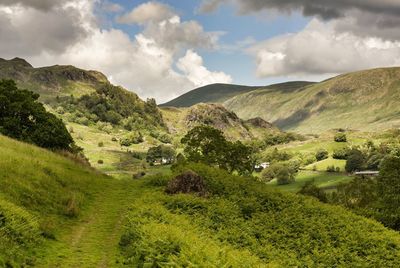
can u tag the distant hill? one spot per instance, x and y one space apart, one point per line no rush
179 120
218 93
365 100
83 96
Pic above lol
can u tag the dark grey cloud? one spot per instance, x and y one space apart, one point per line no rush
381 18
30 31
37 4
326 9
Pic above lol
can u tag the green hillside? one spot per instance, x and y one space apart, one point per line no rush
41 193
84 97
218 93
243 223
365 100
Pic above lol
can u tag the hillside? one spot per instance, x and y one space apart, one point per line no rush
218 93
243 223
365 100
39 193
82 96
179 120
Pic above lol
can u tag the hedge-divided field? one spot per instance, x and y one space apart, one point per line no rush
242 223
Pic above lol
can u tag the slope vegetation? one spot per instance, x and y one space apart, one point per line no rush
218 93
179 120
39 192
82 96
365 100
242 223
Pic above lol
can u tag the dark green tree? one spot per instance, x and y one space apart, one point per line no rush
389 192
355 161
208 145
22 117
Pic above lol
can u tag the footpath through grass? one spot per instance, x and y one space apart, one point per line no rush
93 240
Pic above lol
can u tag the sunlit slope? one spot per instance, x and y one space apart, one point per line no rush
39 191
365 100
218 93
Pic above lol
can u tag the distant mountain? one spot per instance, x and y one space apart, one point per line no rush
365 100
83 96
218 93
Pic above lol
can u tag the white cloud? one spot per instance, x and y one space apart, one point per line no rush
320 49
192 66
146 13
145 64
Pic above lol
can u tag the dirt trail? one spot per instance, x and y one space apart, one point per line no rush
93 241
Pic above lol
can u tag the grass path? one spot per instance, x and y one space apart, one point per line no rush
93 241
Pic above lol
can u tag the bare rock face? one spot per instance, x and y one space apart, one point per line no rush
186 183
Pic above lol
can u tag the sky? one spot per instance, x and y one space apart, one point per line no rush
162 49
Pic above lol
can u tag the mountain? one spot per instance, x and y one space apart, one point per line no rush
365 100
179 120
218 93
85 97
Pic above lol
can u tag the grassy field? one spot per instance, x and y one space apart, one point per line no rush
322 179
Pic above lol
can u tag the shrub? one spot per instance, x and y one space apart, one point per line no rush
340 137
330 169
321 154
114 139
187 182
341 154
310 189
133 138
100 144
100 162
282 172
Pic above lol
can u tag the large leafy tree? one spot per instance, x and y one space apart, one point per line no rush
24 118
389 192
208 145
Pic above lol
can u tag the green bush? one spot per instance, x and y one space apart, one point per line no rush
340 137
341 154
321 154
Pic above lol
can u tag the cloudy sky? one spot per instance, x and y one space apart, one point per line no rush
164 48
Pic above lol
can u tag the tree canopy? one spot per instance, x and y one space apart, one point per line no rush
208 145
22 117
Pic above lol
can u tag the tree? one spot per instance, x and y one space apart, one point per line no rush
389 192
310 189
340 137
238 157
355 161
22 117
321 154
162 154
204 144
282 172
208 145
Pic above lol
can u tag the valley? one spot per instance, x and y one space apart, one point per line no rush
104 202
